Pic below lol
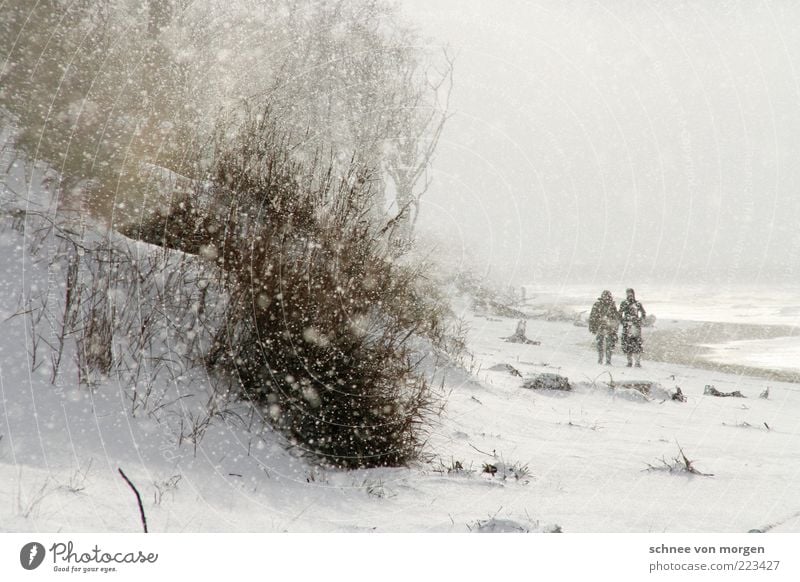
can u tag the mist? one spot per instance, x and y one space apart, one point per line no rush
621 142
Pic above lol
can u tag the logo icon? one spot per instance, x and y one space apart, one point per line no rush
31 555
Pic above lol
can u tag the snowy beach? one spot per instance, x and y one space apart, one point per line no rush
740 328
331 266
500 457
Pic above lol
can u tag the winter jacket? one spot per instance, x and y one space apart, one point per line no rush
632 313
604 318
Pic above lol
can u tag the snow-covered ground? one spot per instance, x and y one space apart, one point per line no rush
589 460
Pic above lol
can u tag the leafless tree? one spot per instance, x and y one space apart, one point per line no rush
422 117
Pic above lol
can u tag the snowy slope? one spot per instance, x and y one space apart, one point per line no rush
581 458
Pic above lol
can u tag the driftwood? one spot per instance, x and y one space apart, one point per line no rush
714 392
519 336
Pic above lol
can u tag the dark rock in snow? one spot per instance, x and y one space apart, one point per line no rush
546 381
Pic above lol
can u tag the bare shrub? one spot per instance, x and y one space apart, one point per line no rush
275 273
95 341
321 315
129 312
678 464
504 470
454 467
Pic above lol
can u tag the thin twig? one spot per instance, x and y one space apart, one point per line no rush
138 498
483 452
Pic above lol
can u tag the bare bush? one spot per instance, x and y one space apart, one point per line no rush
320 314
454 467
678 464
129 312
275 273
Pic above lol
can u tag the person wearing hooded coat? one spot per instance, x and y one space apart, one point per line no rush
604 321
632 314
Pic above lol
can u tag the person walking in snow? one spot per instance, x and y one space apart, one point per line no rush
603 322
632 314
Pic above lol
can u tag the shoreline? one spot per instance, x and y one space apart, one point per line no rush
684 345
684 342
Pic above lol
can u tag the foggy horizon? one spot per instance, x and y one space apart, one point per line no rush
619 141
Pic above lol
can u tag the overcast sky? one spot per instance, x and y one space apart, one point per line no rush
620 141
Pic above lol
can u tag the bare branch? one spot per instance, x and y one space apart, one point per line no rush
138 498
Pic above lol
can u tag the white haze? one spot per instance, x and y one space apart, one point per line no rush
620 141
